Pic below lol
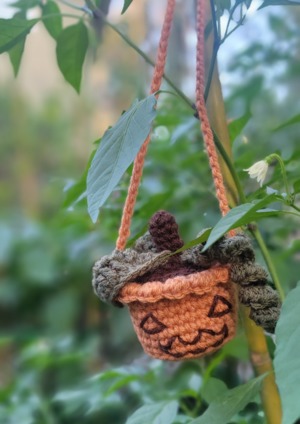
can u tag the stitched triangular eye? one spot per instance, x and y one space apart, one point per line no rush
151 325
219 307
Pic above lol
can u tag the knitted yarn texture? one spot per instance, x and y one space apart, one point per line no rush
148 273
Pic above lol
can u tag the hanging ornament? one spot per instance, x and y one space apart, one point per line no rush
184 304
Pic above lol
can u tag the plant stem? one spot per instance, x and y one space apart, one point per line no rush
283 171
295 207
74 6
255 336
147 59
266 255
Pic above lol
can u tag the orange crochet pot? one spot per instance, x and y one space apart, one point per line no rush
185 316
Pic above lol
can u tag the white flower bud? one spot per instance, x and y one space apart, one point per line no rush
258 171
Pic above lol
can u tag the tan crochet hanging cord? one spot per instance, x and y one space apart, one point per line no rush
183 305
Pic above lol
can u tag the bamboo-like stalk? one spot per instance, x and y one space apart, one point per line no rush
258 349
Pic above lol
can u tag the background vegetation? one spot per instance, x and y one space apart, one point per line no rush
66 357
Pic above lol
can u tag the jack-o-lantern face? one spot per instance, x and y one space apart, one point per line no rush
194 341
173 329
192 315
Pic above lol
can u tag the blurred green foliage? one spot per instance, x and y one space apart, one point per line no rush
66 357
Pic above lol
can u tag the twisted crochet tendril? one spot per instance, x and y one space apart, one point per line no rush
137 172
202 111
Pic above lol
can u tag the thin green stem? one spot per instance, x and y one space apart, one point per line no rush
64 15
264 250
74 6
295 207
283 171
148 60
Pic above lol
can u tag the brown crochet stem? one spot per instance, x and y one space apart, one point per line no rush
164 231
137 172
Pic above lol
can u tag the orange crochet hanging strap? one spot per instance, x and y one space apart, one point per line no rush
137 172
124 230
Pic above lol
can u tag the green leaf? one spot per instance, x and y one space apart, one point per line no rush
15 56
294 120
212 389
119 146
156 413
241 215
228 404
287 358
53 24
71 49
127 3
235 127
201 239
13 31
296 186
16 52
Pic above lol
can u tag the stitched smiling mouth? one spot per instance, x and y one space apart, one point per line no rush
168 347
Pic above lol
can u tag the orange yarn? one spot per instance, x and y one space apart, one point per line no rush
137 172
184 317
202 112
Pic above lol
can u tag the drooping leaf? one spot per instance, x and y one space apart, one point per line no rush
15 56
228 404
287 358
119 146
53 24
126 4
72 44
294 120
156 413
13 31
235 127
241 215
16 52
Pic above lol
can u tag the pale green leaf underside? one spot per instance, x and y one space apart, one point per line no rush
241 215
287 358
118 148
156 413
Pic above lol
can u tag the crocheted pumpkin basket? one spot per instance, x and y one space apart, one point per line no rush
185 316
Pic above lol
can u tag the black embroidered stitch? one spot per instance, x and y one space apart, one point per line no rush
213 313
159 325
166 348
